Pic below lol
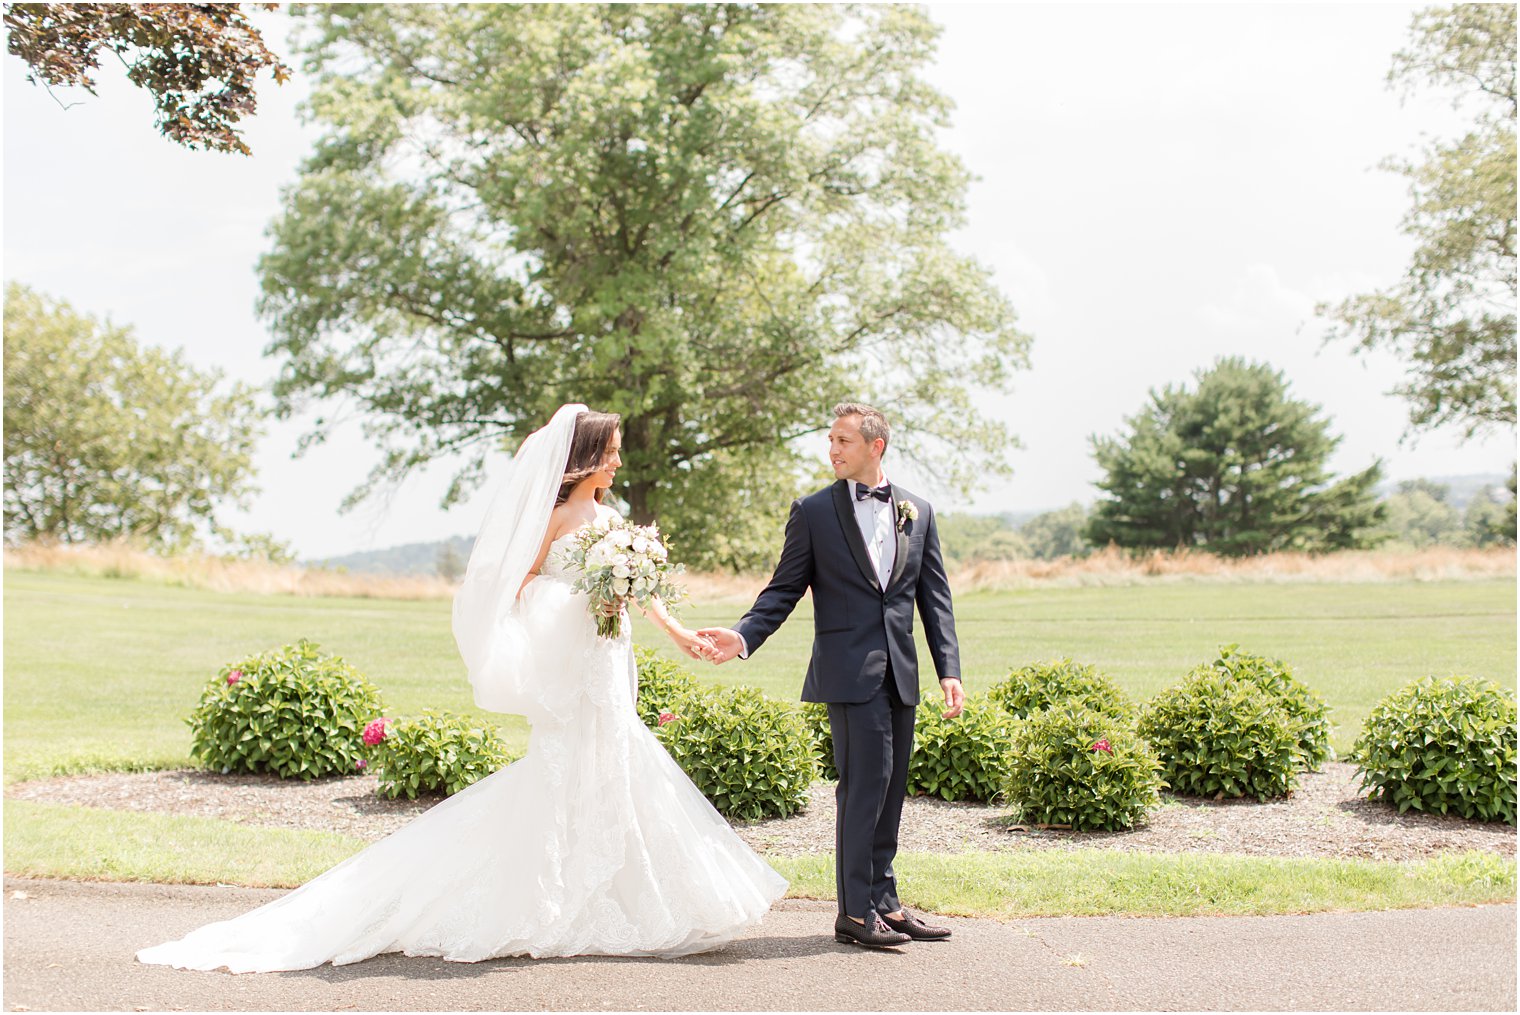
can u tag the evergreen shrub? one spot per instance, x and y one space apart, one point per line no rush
292 711
1442 745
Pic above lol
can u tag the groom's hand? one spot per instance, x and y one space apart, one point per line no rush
955 697
726 644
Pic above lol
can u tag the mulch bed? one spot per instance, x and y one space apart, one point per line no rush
1325 817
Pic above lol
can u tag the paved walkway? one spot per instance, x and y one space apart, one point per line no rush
70 945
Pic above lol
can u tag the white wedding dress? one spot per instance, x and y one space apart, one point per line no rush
595 843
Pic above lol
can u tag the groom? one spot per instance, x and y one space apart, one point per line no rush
869 552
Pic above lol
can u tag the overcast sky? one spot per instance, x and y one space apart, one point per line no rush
1157 186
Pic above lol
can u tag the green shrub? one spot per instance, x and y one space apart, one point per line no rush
663 686
816 715
1038 686
1059 772
965 758
1305 708
1442 745
750 755
436 752
292 711
1222 737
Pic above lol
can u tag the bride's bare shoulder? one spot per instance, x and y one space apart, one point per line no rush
603 513
566 518
562 520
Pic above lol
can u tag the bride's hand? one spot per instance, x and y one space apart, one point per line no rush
690 642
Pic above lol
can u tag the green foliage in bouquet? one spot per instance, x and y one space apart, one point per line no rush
1221 736
965 758
751 756
618 563
816 715
1039 686
436 752
292 711
1443 745
664 686
1079 767
1305 708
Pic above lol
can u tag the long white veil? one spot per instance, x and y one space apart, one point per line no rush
488 625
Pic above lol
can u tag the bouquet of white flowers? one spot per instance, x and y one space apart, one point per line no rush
619 561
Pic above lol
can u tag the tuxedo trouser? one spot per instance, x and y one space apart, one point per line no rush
873 741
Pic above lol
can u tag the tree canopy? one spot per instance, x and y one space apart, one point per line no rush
716 220
198 61
108 439
1234 466
1452 316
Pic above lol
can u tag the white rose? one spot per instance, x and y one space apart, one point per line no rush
641 585
621 586
622 537
621 571
640 544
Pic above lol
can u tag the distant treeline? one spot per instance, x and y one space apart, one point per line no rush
1466 511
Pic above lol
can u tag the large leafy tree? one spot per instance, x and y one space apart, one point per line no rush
198 61
715 220
1234 466
108 439
1452 316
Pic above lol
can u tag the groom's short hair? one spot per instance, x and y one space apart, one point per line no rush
873 425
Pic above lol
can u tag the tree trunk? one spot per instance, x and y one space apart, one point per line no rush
637 448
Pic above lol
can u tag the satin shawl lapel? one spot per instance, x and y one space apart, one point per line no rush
901 560
852 536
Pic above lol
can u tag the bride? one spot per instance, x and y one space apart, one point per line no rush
595 843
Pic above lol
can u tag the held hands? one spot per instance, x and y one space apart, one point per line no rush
690 642
955 697
725 644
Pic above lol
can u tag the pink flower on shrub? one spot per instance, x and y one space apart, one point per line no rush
374 732
666 717
234 676
1101 745
361 764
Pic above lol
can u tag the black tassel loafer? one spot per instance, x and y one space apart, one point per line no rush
915 928
872 934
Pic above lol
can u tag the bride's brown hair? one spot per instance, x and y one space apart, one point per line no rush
589 446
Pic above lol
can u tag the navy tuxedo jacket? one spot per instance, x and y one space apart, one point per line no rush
858 626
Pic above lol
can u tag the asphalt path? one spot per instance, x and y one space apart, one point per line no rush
70 946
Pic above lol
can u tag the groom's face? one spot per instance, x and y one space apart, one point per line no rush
851 456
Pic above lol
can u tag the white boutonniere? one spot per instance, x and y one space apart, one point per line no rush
907 511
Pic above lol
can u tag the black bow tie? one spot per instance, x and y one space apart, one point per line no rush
881 493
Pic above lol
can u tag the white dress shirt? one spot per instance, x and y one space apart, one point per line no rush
875 520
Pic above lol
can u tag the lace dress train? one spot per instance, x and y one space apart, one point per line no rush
595 843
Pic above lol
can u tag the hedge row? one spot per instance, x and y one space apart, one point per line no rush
1058 741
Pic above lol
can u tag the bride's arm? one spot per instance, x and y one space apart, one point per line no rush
538 562
686 640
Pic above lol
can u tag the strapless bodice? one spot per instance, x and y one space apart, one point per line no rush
554 564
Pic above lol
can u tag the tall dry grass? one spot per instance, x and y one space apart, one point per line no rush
221 574
1112 566
1108 567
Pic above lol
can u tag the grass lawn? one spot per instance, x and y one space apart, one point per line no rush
46 840
100 672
